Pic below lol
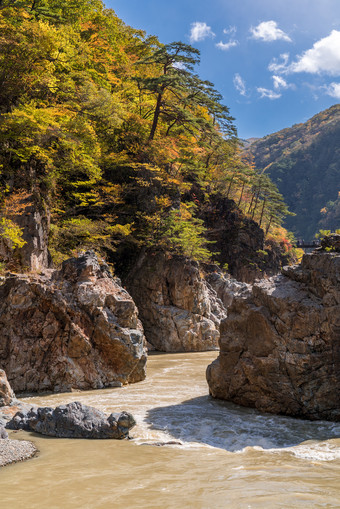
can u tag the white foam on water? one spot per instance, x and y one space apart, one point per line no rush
172 405
323 451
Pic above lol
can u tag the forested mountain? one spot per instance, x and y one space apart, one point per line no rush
304 162
116 136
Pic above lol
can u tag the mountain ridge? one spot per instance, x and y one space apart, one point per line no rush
303 161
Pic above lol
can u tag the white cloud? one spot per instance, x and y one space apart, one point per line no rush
200 31
268 31
323 57
279 82
269 94
280 67
230 31
226 45
333 90
240 84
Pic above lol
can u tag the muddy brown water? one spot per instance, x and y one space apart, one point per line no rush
226 456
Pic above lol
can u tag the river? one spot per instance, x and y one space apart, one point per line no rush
225 456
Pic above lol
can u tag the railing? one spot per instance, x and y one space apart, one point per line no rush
303 244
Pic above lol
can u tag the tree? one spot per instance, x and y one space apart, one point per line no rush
176 60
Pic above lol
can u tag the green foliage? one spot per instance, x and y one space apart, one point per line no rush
185 235
322 233
11 233
111 130
78 234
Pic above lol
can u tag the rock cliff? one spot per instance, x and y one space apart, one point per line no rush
72 328
239 242
34 221
280 344
179 309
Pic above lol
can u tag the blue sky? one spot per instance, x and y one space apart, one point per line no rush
276 62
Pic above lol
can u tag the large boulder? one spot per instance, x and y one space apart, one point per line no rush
280 344
179 309
73 420
75 328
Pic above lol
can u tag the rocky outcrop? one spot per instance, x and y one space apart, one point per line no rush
226 287
73 420
238 242
34 220
35 223
331 243
73 328
280 344
179 309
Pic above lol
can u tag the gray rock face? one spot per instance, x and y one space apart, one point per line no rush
179 310
35 223
73 328
73 421
280 345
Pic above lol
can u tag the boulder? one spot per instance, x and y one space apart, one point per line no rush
73 420
75 328
179 309
280 344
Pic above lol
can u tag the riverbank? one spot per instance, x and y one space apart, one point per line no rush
13 451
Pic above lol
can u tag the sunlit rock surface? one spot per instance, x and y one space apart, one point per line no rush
179 309
73 328
280 344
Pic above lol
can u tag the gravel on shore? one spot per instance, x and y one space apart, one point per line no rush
12 451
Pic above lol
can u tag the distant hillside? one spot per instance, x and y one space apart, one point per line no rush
246 143
304 162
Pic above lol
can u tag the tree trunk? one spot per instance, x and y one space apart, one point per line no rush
262 211
268 225
239 202
156 116
229 188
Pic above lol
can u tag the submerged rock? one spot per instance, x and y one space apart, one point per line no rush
179 309
75 328
280 344
73 420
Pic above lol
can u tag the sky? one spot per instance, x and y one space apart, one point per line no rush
275 62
